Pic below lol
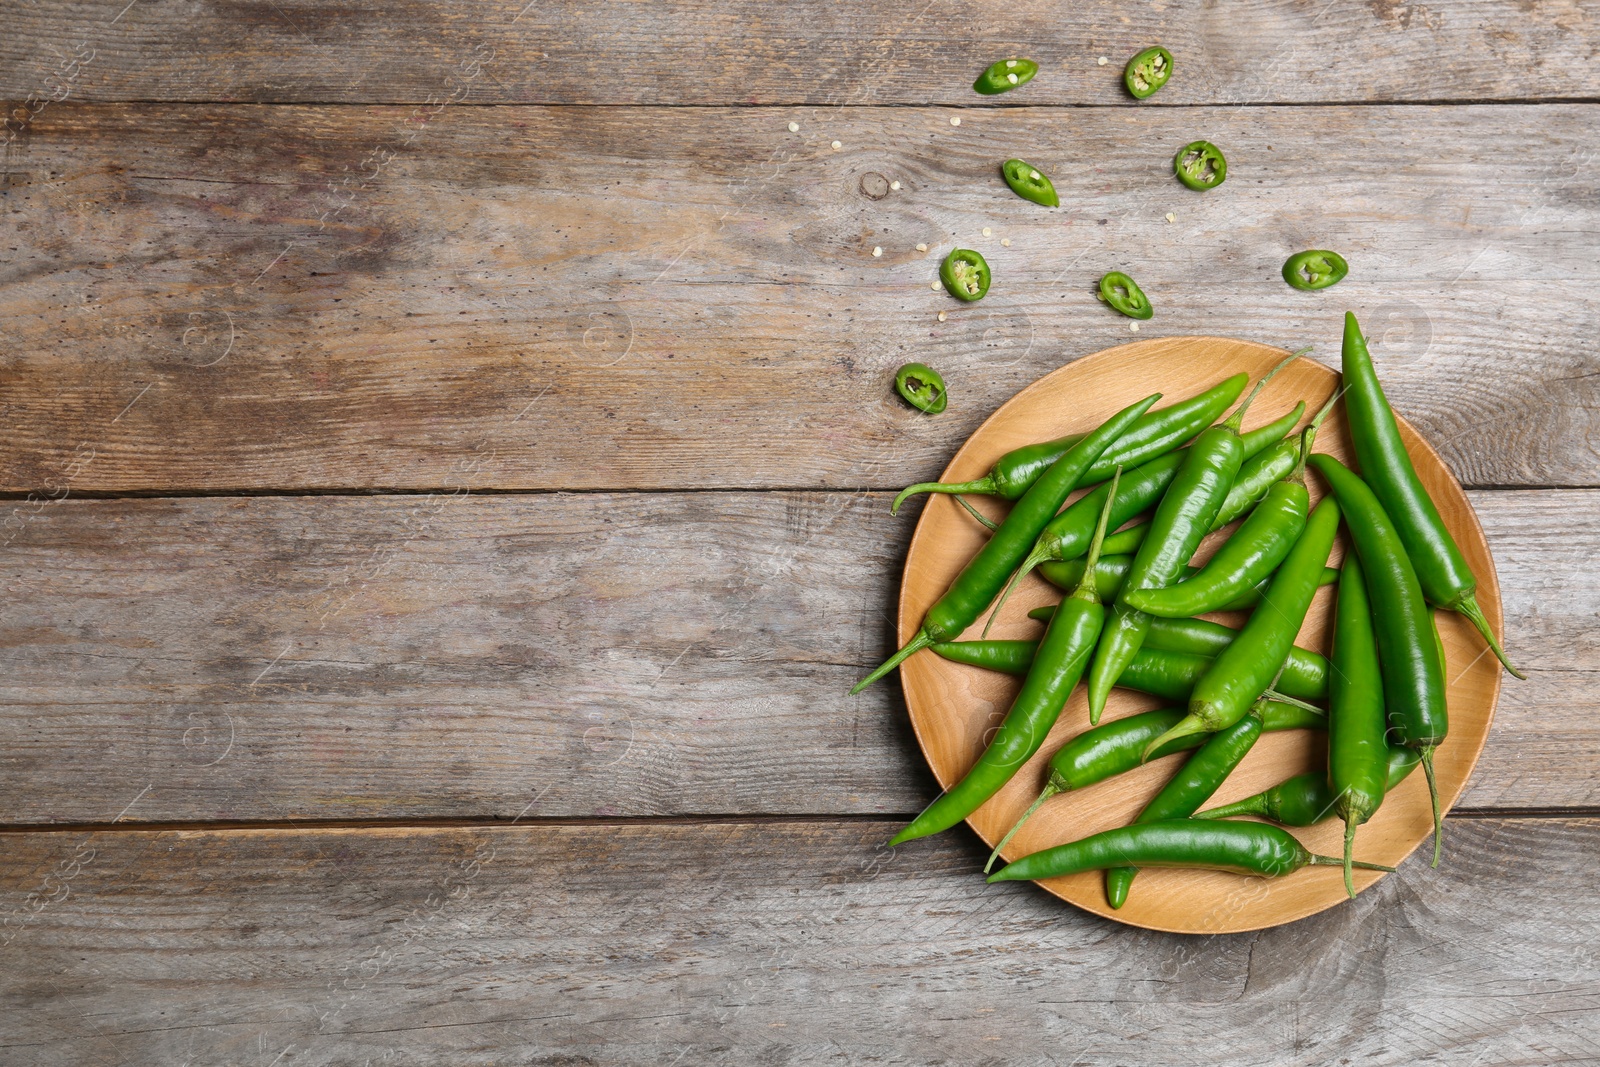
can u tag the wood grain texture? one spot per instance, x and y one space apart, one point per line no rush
815 52
584 654
788 943
220 298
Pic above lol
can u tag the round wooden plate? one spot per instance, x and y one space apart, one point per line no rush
955 708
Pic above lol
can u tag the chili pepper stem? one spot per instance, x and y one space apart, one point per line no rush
1188 726
1236 420
1035 557
916 644
1433 795
1247 806
975 513
1350 825
1086 585
1468 606
982 485
1045 794
1335 861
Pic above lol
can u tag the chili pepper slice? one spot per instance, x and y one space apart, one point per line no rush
1030 183
1303 800
1200 165
1315 268
1124 294
1004 76
975 588
922 387
1147 72
965 274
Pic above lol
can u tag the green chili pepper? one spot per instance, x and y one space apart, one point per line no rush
965 274
1066 535
1147 71
1242 671
1030 183
1155 433
1182 518
1191 787
1124 294
1057 666
1305 799
1358 753
1111 571
1314 269
1005 75
982 578
1446 579
1113 748
1200 165
921 387
1251 554
1253 848
1411 661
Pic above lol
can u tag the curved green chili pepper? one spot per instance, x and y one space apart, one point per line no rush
1314 269
1147 72
1124 294
921 387
982 578
1191 787
1200 165
1114 748
1153 434
1409 654
1242 671
1066 535
1253 848
1251 554
1446 579
1182 518
1111 571
1005 75
1305 799
965 274
1030 183
1057 666
1358 752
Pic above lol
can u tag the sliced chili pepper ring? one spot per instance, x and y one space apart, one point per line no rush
922 387
1147 72
965 274
1030 183
1005 75
1124 294
1315 268
1200 165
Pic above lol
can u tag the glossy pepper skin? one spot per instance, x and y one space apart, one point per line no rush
1111 571
1251 848
1314 269
975 588
1147 72
965 274
1306 799
1057 665
1030 183
1114 748
1243 671
922 387
1004 76
1409 655
1200 165
1447 581
1123 294
1358 749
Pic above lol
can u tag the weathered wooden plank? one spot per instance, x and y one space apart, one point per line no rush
574 655
815 52
655 298
767 943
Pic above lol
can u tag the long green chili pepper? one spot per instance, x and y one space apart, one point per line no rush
1242 671
1358 752
1062 655
1409 654
1191 787
1153 434
1447 581
1114 748
1305 799
1253 552
1110 571
982 578
1066 535
1253 848
1181 519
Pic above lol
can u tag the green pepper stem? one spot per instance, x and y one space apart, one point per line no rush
1309 435
1045 794
1335 861
1350 825
1274 695
1035 557
1255 805
1468 606
916 644
982 485
1188 726
1086 585
980 516
1236 420
1433 795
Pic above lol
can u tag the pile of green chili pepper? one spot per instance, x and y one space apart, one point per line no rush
1132 620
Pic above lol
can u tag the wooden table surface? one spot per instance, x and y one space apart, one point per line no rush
448 452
